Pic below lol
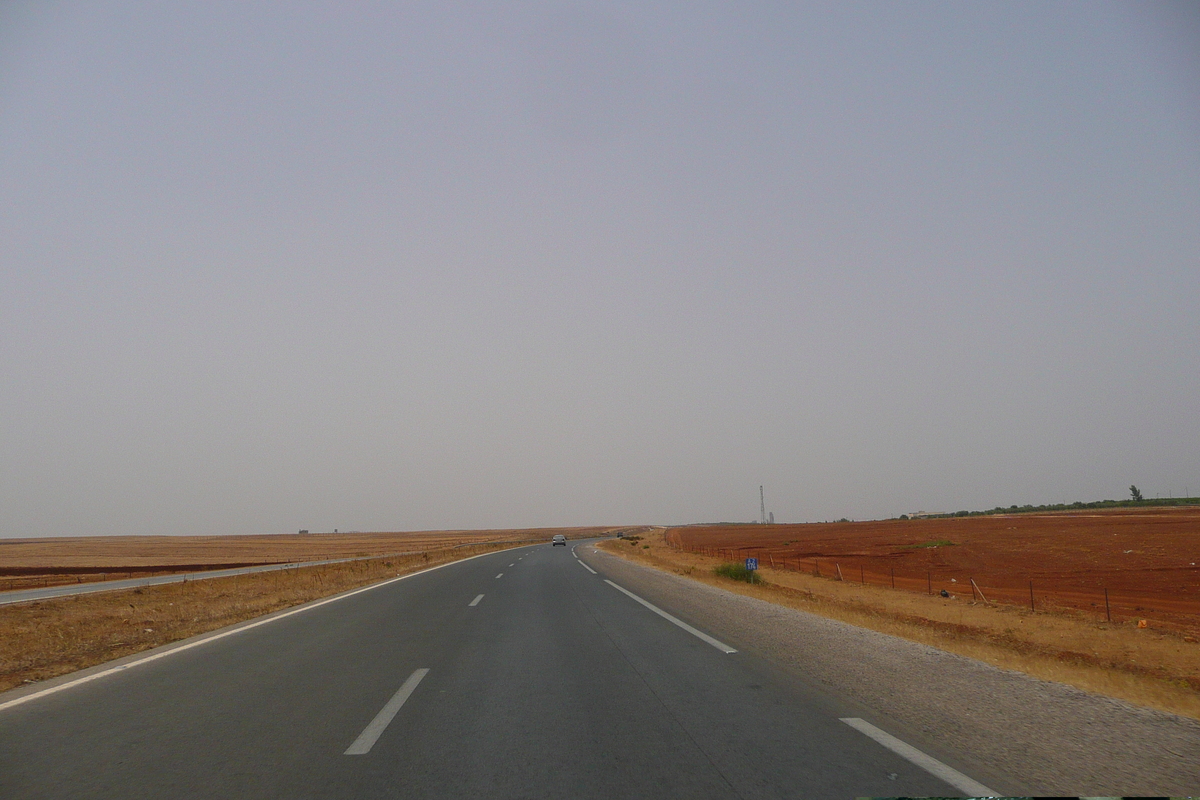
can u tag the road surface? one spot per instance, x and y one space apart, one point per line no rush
523 673
64 590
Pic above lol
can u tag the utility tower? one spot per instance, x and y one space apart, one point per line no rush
762 502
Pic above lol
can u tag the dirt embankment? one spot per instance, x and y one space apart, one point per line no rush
44 639
1149 666
1047 737
26 563
47 638
1112 565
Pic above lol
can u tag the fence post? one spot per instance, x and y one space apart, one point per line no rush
929 582
972 580
772 557
839 570
1107 609
1031 606
893 577
862 575
816 568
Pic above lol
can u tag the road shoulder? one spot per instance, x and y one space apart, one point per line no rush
1049 737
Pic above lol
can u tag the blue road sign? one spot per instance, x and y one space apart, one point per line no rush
751 564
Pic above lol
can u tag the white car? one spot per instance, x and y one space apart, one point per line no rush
558 539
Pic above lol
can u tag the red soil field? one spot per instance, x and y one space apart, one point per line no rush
1146 558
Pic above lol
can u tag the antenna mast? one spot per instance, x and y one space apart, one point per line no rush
762 501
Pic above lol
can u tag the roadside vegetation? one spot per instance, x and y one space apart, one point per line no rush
737 572
1137 501
54 561
47 638
1154 668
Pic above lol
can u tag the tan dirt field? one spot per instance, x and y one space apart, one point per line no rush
1146 558
46 638
26 563
1153 666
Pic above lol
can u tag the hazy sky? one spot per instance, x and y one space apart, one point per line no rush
373 266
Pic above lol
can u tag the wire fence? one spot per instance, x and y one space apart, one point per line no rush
1178 610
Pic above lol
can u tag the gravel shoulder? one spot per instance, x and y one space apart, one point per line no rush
1004 728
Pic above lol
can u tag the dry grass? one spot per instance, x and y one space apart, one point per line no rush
47 638
52 561
1148 667
1132 563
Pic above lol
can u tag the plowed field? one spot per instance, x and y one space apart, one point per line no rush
53 561
1146 559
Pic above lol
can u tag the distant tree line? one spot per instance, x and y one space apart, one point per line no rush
1136 499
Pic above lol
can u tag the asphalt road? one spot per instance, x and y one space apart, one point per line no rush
65 590
522 673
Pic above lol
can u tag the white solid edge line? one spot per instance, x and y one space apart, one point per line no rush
366 740
928 763
475 602
699 634
263 621
585 566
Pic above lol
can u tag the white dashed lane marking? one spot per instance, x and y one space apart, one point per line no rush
248 626
366 740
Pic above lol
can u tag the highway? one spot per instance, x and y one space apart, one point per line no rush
66 590
523 673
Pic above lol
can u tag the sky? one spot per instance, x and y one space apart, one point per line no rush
268 267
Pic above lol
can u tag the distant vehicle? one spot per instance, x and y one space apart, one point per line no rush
558 539
620 534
